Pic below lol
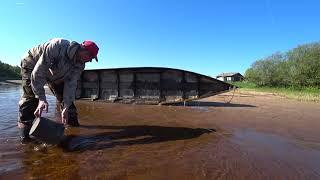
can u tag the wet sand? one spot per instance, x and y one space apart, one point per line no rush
253 137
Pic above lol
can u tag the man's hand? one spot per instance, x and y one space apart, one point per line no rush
43 105
64 115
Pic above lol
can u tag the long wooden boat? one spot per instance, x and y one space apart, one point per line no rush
147 85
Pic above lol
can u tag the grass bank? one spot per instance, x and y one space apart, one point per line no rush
301 94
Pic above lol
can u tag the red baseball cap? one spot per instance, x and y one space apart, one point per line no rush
91 47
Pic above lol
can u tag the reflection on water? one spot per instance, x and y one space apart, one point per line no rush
9 98
117 141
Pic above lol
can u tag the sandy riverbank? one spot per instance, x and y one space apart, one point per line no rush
252 137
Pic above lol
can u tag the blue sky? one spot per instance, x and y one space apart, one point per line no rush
203 36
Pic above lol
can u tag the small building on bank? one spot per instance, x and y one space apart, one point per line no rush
230 77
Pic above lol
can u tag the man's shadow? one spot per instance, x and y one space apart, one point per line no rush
128 135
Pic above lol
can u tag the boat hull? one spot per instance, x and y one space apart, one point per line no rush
147 85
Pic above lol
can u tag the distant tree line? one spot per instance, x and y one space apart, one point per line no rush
299 67
9 72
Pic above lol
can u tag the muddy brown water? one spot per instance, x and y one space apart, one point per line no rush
253 137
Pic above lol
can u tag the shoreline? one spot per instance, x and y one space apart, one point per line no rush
11 82
303 97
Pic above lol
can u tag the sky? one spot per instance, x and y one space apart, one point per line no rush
204 36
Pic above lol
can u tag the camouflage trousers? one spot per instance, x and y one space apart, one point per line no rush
28 103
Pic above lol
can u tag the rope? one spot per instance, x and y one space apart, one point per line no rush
234 90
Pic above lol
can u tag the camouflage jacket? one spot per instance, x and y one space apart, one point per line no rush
54 61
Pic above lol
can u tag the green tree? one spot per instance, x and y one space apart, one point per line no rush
299 67
305 65
7 71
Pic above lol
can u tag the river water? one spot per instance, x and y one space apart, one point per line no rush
119 141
